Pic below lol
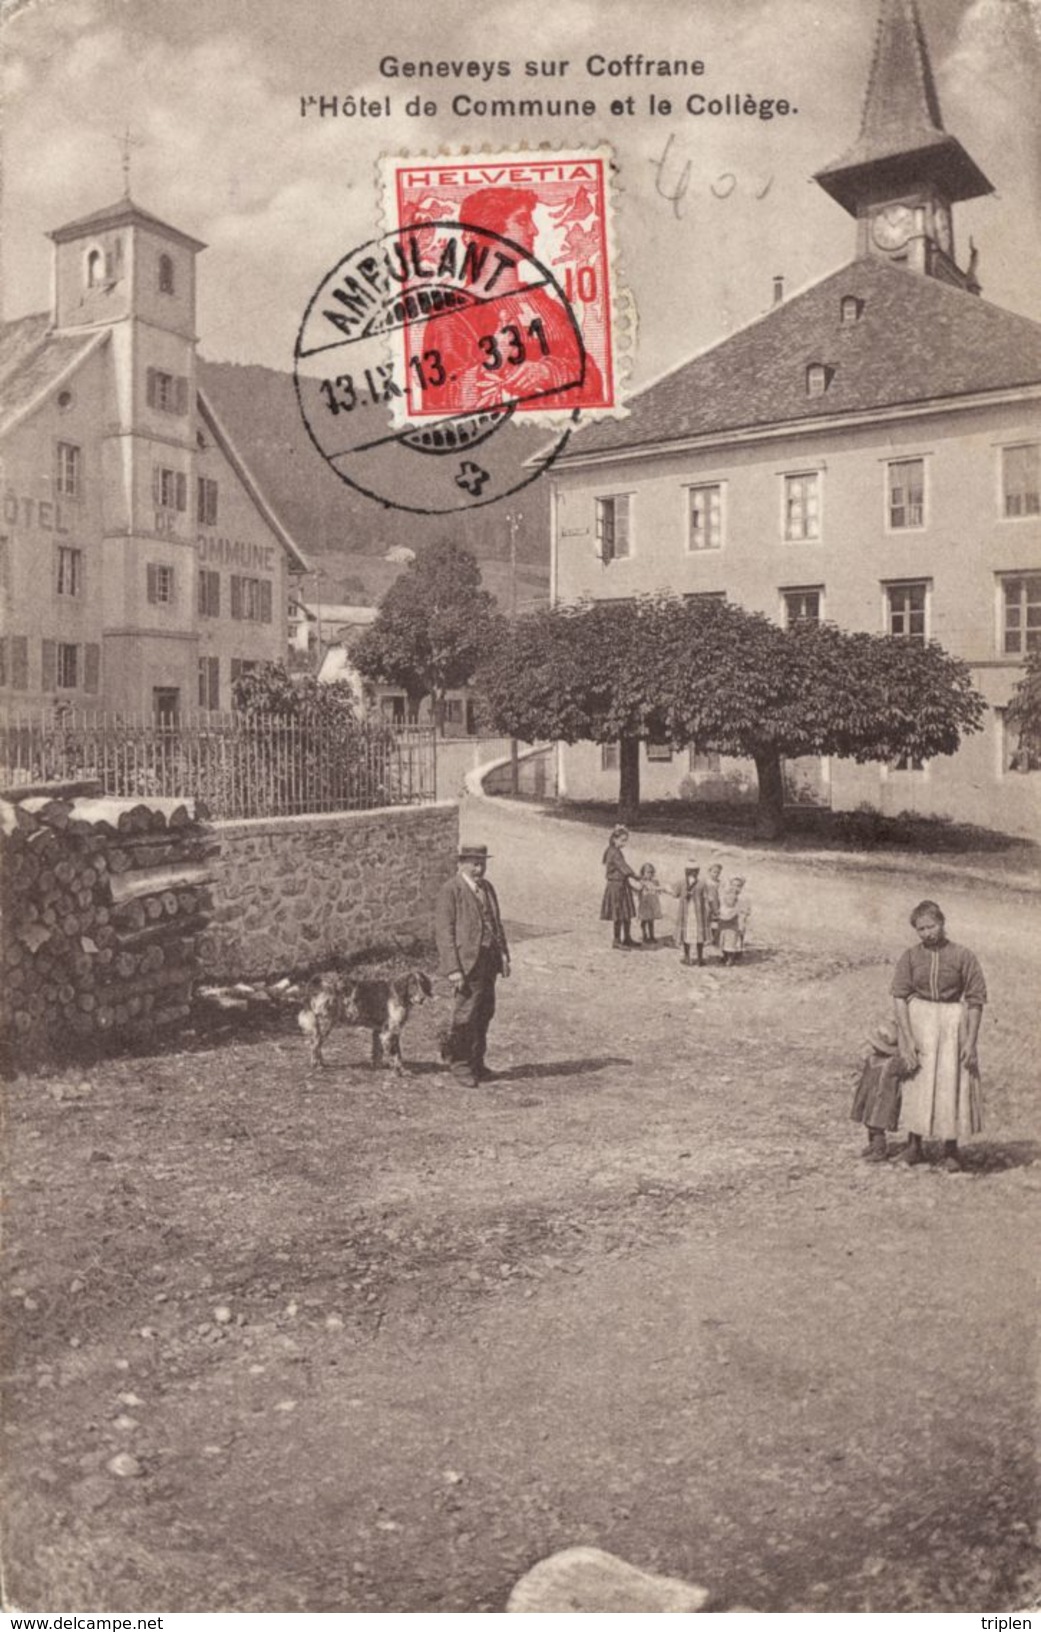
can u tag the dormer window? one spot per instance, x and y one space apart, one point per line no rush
818 378
166 275
852 309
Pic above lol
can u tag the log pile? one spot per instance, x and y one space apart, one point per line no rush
102 902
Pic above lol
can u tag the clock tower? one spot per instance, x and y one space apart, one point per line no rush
904 173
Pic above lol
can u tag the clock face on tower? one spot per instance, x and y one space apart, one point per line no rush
892 226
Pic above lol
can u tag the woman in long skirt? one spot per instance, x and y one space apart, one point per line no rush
938 995
617 904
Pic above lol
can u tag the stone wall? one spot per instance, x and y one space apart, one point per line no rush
536 773
290 891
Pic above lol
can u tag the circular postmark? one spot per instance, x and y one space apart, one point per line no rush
419 349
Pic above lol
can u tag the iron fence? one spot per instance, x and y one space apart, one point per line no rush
240 765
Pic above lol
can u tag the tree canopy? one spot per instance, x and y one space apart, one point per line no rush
434 625
709 674
272 690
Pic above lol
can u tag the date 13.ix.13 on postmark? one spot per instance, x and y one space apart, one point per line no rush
489 297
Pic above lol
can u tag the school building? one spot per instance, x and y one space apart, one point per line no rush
868 452
141 568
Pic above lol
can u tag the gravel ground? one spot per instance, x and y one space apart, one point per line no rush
283 1341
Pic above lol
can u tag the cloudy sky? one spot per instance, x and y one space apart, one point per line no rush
211 90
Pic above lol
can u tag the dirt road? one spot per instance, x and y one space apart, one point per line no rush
380 1346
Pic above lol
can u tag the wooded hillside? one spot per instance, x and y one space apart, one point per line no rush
347 536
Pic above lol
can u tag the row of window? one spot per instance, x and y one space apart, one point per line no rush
76 666
104 266
209 679
169 487
251 598
1015 755
64 665
906 609
905 503
170 492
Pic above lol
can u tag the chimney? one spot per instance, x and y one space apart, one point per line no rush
778 288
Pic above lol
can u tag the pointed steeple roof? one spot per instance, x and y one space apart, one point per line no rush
902 141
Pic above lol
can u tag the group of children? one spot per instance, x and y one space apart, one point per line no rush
711 912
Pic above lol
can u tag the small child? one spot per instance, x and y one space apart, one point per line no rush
876 1102
648 900
733 914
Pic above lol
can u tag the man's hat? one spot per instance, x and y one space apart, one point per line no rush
472 852
693 867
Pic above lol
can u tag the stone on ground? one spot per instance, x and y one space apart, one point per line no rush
588 1581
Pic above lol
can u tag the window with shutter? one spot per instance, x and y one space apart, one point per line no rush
19 662
3 661
49 658
69 574
150 388
206 501
181 395
157 486
182 490
68 665
1021 479
68 460
236 596
91 666
152 578
265 601
612 527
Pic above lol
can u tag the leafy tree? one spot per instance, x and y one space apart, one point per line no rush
713 675
594 672
1023 714
272 690
771 694
435 624
309 751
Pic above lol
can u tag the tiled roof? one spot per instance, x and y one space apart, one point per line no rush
123 213
915 340
33 358
340 613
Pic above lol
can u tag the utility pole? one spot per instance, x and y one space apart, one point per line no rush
514 518
318 576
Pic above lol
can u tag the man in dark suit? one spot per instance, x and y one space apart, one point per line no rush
472 949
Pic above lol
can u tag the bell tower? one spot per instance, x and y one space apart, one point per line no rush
124 270
904 173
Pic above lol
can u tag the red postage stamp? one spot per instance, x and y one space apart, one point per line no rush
523 239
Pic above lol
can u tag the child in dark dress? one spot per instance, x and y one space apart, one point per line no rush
876 1102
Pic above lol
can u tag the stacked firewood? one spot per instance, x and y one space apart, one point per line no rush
102 902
